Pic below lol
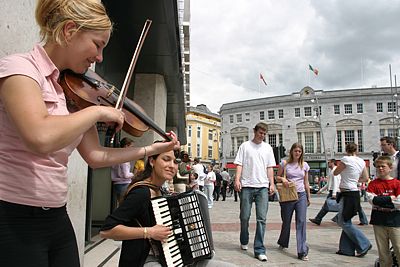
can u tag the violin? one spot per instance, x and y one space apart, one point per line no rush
82 91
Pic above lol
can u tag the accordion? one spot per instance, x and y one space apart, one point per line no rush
187 216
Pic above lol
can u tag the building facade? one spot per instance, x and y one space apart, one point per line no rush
322 121
203 134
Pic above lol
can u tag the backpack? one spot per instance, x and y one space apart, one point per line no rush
205 169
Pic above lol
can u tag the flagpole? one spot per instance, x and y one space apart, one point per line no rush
309 77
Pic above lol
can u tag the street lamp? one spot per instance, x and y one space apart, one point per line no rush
217 140
322 132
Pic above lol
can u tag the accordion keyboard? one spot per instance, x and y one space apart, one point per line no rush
188 242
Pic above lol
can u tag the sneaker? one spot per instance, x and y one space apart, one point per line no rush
304 258
244 247
315 221
362 254
262 257
334 219
281 247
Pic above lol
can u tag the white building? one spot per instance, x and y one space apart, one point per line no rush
352 115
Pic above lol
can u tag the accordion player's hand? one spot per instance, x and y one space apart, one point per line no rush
159 232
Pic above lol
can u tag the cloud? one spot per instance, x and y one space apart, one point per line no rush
350 42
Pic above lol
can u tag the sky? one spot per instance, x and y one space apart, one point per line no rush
350 42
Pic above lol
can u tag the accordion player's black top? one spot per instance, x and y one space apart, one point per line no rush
136 205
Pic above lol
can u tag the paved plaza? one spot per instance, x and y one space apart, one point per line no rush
323 240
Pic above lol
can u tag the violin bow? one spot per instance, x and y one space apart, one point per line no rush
124 90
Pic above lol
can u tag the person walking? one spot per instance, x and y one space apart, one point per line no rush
201 175
296 171
333 188
209 186
218 183
352 170
39 134
254 180
121 174
226 178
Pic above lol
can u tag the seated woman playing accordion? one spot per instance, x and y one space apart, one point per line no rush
145 239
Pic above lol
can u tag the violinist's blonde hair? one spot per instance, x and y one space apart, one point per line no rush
52 15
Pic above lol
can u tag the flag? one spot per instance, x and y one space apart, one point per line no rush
262 78
312 69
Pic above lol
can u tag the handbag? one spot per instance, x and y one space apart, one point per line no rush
287 193
332 205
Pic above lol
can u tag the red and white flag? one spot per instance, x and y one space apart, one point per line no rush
262 78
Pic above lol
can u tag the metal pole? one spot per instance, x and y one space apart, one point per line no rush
391 92
322 135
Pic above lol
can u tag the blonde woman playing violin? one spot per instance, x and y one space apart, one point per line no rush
38 134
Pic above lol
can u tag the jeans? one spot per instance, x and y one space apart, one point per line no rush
259 196
351 239
209 190
287 208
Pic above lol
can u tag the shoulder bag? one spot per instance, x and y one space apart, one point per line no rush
287 193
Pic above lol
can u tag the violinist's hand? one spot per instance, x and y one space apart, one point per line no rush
111 115
161 147
176 145
159 232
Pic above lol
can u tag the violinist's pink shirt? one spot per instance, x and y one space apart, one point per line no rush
25 177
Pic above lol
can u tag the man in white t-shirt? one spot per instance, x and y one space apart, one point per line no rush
199 169
254 181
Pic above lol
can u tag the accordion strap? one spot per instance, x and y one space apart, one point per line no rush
142 183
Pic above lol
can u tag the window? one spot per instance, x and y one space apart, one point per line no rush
238 118
382 132
318 142
360 108
190 131
230 118
210 134
360 141
198 151
198 131
297 112
233 148
280 113
240 140
348 136
336 109
299 139
272 140
262 115
348 109
271 114
308 142
247 116
379 107
189 149
210 152
280 139
339 141
391 106
390 132
307 112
